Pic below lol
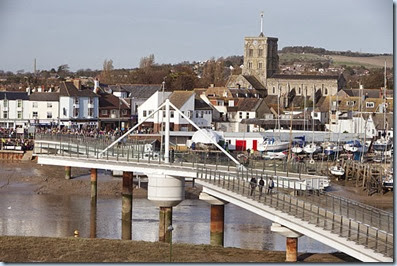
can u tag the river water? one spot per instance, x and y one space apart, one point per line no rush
24 214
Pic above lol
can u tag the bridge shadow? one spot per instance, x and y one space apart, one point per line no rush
316 257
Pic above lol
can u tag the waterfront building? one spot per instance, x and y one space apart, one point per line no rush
43 109
13 109
78 107
114 112
186 101
136 94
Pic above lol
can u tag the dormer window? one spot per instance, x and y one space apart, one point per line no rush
76 100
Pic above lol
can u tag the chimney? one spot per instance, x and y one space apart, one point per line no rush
212 85
77 83
96 85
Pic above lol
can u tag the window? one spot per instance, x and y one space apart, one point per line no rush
91 101
5 114
274 90
75 112
113 112
325 91
19 103
76 100
35 105
247 115
201 114
124 112
260 65
249 65
5 103
49 114
369 104
197 114
150 112
104 112
35 114
91 112
240 115
299 90
250 52
172 114
19 114
49 105
144 113
260 52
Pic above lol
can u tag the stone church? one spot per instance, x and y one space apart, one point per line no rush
260 71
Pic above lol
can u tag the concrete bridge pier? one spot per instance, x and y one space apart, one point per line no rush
68 172
166 192
126 206
217 219
291 249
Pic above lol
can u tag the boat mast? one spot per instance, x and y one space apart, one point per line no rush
304 109
278 109
384 101
314 88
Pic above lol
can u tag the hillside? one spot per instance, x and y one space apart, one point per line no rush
337 60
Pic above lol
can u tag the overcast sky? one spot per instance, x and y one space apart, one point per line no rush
83 33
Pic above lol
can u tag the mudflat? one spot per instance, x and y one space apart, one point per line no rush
45 249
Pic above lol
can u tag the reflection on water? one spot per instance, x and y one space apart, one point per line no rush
59 216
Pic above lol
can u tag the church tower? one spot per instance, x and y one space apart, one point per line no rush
260 56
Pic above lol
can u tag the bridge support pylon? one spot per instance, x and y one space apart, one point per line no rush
93 211
166 192
68 172
94 190
217 219
126 206
291 249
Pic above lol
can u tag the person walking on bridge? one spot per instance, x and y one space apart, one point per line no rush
270 186
253 184
261 185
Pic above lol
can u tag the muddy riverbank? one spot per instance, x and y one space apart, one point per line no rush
36 249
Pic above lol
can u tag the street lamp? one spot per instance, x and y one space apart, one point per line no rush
170 229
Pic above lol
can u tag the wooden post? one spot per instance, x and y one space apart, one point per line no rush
217 225
68 172
126 205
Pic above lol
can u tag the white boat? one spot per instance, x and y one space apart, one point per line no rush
332 149
311 148
337 170
274 155
388 179
272 145
382 144
297 149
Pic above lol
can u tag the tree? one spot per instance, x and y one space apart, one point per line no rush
147 61
63 70
106 74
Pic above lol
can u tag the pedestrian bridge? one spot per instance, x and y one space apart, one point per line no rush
297 202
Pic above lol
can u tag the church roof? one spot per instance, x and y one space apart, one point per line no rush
315 77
